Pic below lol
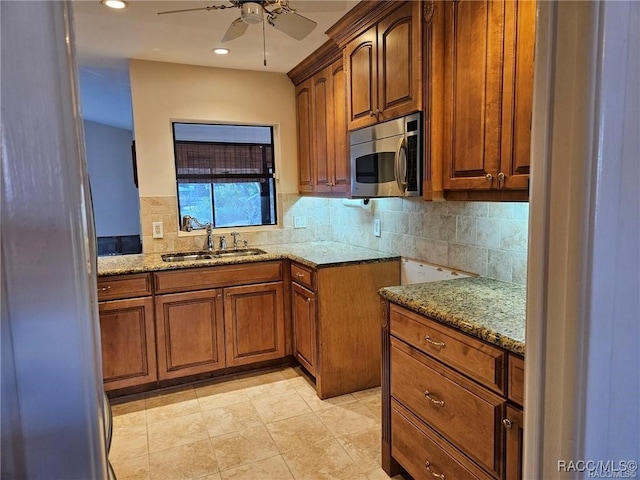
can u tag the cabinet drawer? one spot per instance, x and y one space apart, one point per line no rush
124 286
466 414
303 275
516 379
482 362
423 454
215 277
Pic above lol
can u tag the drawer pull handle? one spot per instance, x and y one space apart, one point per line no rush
435 401
104 289
507 423
300 275
427 465
427 339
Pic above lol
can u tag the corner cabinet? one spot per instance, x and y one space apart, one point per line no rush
322 133
488 92
127 334
383 66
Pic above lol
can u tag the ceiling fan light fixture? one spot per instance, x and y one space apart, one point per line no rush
251 12
221 51
117 4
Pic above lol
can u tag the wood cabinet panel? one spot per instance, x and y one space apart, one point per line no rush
114 287
424 454
361 58
220 276
338 162
305 122
303 275
320 131
254 323
304 327
481 361
450 404
190 333
516 379
128 343
514 428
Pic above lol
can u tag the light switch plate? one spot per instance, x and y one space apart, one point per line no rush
299 221
376 227
157 230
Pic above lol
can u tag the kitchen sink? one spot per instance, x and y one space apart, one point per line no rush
205 255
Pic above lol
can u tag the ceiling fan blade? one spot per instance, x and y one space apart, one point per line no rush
210 7
235 30
292 24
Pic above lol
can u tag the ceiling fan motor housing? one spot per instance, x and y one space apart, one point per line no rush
251 12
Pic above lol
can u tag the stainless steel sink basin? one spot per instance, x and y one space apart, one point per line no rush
205 255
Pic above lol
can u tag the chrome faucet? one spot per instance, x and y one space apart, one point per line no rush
223 242
208 244
235 236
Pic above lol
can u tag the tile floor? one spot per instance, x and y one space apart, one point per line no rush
266 426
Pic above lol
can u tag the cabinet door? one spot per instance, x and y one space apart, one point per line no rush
190 333
362 79
472 92
128 345
320 106
304 327
305 121
399 63
338 165
254 323
517 102
513 424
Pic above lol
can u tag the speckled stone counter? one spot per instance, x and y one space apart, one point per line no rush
312 254
488 309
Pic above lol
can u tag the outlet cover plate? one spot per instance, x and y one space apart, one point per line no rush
158 231
299 221
376 227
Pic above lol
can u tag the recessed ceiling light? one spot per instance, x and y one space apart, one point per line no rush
119 4
221 51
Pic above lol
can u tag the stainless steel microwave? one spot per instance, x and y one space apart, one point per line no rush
386 159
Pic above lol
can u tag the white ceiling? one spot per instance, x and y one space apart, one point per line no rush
107 38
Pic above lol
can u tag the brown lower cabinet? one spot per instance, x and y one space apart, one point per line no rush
451 403
304 325
128 342
190 329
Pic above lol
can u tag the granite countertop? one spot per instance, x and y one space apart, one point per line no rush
312 254
488 309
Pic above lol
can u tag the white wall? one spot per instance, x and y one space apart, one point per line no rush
116 206
163 92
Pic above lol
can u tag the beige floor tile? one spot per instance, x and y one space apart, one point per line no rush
136 468
323 461
377 474
177 431
364 448
263 378
349 418
367 394
172 405
232 418
221 394
271 388
193 460
292 372
278 407
273 468
309 395
293 433
129 442
244 447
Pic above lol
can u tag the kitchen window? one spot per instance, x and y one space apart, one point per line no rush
225 174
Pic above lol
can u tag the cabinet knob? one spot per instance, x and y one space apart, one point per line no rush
507 423
300 275
219 295
309 300
228 295
489 177
501 179
104 289
427 465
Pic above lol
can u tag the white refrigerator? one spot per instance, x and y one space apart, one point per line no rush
53 422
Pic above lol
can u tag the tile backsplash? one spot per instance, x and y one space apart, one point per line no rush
486 238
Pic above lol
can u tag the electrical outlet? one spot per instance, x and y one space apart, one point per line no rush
376 227
299 221
158 231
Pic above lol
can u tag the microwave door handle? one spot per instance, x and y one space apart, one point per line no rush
401 178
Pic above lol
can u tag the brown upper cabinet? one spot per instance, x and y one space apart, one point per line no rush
383 66
322 131
488 90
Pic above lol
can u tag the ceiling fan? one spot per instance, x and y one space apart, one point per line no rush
278 12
